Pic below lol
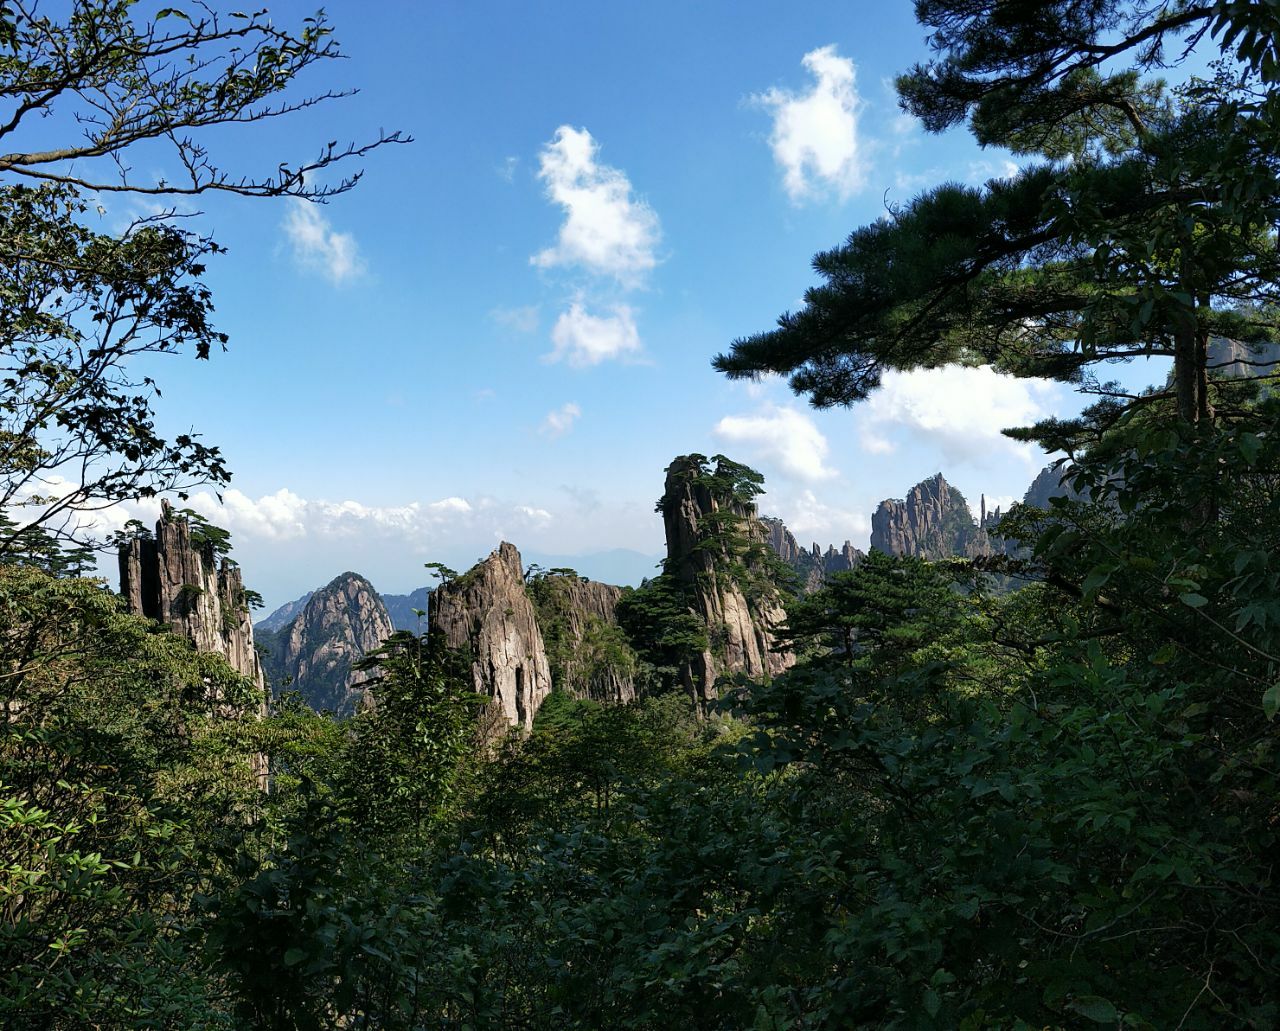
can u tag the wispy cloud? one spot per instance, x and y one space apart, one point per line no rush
783 436
958 410
285 516
583 339
559 421
318 247
811 519
815 137
606 231
521 320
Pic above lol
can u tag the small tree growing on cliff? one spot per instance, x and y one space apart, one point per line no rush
731 534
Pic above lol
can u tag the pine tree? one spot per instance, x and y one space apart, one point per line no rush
1141 225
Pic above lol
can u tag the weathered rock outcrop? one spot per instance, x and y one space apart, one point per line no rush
782 541
932 522
812 566
1236 359
729 592
1046 486
588 654
338 626
171 580
488 612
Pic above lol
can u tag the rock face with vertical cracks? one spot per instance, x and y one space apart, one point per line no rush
318 648
741 618
170 580
487 613
932 522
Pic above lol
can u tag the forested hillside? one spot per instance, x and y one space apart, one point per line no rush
1019 772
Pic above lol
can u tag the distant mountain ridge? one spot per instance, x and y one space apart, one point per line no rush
283 615
400 607
316 651
531 631
933 521
812 566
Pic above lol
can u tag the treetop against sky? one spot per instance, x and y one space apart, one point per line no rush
505 330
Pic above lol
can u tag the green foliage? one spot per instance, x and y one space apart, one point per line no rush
662 629
729 538
78 306
127 77
1146 227
730 483
442 572
124 785
884 612
1052 808
32 545
319 935
212 542
408 743
587 655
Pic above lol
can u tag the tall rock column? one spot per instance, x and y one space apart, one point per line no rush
170 580
705 526
487 612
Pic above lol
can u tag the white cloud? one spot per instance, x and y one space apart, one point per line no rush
810 520
815 134
450 505
286 516
318 247
981 171
560 420
539 516
606 231
288 543
507 170
958 410
784 436
583 339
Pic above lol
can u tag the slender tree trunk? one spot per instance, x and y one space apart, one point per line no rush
1204 408
1184 369
1188 368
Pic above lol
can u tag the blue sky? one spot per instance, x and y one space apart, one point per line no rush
506 329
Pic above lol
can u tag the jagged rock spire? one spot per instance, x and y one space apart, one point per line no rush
170 580
487 611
